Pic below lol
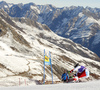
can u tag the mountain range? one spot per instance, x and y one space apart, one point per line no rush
82 25
23 40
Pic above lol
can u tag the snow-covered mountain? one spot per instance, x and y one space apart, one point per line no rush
82 25
29 10
22 43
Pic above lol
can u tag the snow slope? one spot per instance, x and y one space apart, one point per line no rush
94 85
21 53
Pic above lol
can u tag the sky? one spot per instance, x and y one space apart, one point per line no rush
60 3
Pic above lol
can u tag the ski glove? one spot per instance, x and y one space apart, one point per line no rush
68 72
71 76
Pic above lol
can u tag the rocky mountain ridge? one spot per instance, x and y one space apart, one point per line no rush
82 25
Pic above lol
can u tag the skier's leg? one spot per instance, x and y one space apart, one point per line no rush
80 75
87 73
76 79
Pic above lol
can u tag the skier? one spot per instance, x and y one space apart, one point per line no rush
81 72
65 76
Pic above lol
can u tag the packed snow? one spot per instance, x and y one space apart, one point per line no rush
94 85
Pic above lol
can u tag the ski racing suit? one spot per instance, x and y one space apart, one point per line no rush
64 77
81 72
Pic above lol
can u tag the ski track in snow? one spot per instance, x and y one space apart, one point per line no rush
92 85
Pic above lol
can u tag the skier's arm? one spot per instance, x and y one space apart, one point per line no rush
75 69
67 76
